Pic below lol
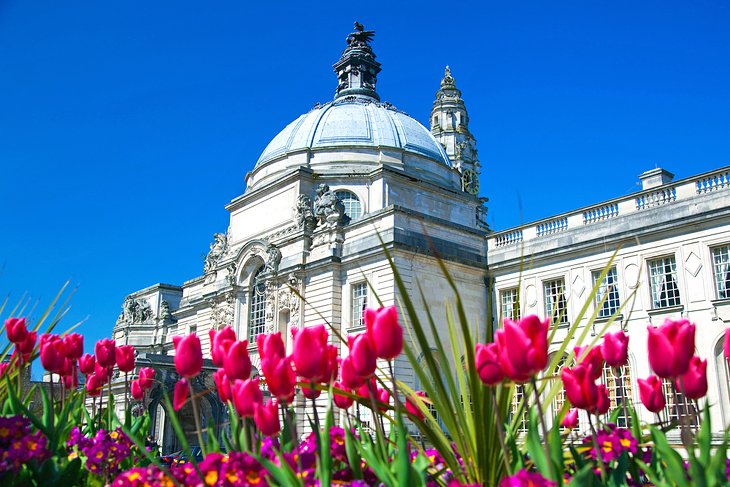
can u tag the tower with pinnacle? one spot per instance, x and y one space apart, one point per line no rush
450 125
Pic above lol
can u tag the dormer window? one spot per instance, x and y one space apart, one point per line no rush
353 208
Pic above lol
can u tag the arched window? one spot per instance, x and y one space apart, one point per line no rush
559 400
257 307
353 208
678 407
618 384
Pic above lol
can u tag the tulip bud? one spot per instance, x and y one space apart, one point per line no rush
220 342
146 378
271 346
364 360
593 356
16 330
137 392
342 401
125 358
412 404
237 361
310 352
266 417
487 363
603 403
693 383
101 373
350 378
94 385
280 378
523 347
570 420
246 393
671 347
651 393
73 346
87 364
615 348
726 344
311 393
25 348
52 357
222 385
188 355
385 334
106 352
180 395
580 389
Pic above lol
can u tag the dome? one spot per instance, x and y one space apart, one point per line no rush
354 121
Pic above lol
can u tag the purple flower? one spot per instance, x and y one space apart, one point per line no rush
523 478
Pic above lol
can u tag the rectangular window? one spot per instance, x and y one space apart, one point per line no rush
663 282
519 408
721 271
608 289
359 303
510 300
555 304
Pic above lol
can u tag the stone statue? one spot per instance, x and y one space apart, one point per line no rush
328 209
304 215
361 37
135 310
273 259
165 313
217 248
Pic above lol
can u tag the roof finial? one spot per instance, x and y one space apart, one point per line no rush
357 69
448 81
447 71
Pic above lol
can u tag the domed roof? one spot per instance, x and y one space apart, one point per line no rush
354 121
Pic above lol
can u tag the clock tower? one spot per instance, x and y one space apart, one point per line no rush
450 125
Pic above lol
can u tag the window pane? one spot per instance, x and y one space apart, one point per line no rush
257 313
510 304
721 271
678 407
518 397
618 384
353 208
359 303
608 288
663 282
555 304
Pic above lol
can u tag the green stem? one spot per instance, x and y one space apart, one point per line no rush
196 416
599 455
500 431
544 428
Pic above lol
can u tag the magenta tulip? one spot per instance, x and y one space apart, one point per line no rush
188 355
579 385
603 403
615 348
413 404
73 346
94 385
651 393
271 346
25 348
180 395
364 360
726 344
487 363
342 401
106 352
51 353
16 329
280 378
523 347
137 392
350 378
570 420
671 346
246 394
693 383
146 378
310 352
593 356
266 417
237 361
220 342
222 385
125 358
386 335
87 363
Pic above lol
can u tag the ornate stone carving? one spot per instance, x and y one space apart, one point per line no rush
135 311
270 305
222 309
273 259
328 208
165 312
218 247
231 277
304 216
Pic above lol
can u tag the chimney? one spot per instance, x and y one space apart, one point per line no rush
655 177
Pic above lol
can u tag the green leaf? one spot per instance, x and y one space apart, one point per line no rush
535 448
672 459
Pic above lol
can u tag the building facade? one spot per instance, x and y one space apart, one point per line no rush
305 240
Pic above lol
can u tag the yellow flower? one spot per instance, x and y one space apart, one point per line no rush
211 477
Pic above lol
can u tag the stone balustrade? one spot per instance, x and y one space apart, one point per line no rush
667 194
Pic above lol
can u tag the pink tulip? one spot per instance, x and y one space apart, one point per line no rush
246 394
181 394
651 393
350 378
580 389
523 347
188 355
726 344
220 341
363 358
106 352
487 363
222 385
73 346
385 334
137 392
593 356
671 347
271 346
125 358
310 352
603 404
342 401
101 373
280 377
146 378
266 417
94 385
570 420
311 393
413 404
87 364
25 348
237 362
16 330
693 383
615 348
51 352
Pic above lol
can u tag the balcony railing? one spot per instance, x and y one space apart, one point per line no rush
718 180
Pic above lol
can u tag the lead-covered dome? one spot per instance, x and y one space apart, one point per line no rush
354 121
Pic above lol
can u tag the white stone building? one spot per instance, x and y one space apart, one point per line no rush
303 245
673 260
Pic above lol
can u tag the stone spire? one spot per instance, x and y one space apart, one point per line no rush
357 70
450 126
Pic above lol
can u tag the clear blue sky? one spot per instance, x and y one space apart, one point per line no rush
125 127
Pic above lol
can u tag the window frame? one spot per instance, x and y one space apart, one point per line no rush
357 315
611 309
559 318
256 307
655 295
717 284
345 202
514 303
